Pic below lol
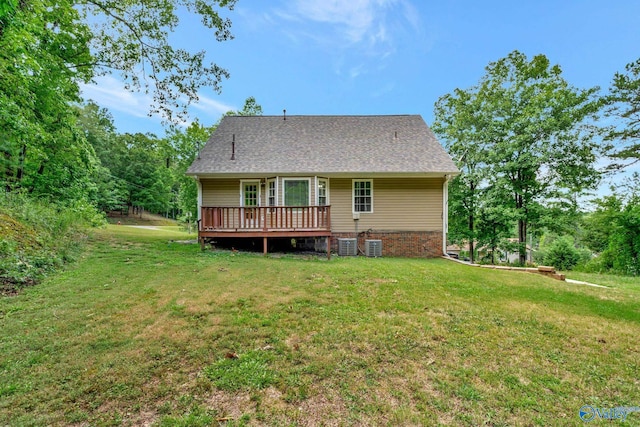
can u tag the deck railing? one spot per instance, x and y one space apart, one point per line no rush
265 218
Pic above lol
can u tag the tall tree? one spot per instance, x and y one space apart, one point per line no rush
144 170
47 48
186 144
531 123
458 122
623 104
38 81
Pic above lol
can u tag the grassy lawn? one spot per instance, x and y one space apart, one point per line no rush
147 331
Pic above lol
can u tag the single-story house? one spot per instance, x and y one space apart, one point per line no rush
326 179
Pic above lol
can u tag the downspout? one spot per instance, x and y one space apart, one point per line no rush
445 212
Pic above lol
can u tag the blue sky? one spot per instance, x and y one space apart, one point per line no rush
385 56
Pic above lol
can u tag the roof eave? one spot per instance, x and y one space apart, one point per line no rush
359 174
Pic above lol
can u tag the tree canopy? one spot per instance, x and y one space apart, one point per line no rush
47 48
521 133
623 105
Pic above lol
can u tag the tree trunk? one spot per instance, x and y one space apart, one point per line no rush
471 222
21 158
522 240
8 171
522 228
471 249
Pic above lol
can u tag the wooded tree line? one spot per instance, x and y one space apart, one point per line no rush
57 148
528 144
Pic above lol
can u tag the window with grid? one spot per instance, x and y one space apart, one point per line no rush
362 196
322 192
250 194
272 193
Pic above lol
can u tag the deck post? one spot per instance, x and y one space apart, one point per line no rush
264 246
328 239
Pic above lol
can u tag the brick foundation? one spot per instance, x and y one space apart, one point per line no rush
409 244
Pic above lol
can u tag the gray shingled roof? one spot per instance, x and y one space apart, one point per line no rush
323 145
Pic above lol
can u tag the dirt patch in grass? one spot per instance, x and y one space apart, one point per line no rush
11 288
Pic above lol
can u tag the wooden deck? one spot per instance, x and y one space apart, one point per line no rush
265 222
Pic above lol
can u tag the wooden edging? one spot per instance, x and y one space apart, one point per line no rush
545 270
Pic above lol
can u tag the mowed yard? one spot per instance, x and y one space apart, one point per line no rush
146 331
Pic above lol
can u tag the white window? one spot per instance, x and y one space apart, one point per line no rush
323 192
272 194
296 192
362 195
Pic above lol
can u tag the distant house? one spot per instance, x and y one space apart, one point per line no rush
325 178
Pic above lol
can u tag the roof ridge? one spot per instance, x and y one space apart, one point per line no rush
329 115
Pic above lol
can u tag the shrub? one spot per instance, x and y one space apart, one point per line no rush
562 254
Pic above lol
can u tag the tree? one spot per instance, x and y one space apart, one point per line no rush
144 171
458 122
495 221
530 122
132 37
613 228
47 48
623 104
108 191
38 81
251 108
185 144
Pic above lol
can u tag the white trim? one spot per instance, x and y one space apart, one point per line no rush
199 184
445 212
249 181
353 196
326 180
284 180
275 184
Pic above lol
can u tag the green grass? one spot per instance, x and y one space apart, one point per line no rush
137 332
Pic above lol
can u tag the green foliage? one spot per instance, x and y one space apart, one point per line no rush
185 144
623 104
47 48
613 231
520 131
562 254
40 68
37 238
133 38
250 108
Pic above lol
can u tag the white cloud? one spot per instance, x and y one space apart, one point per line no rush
110 93
213 107
353 23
